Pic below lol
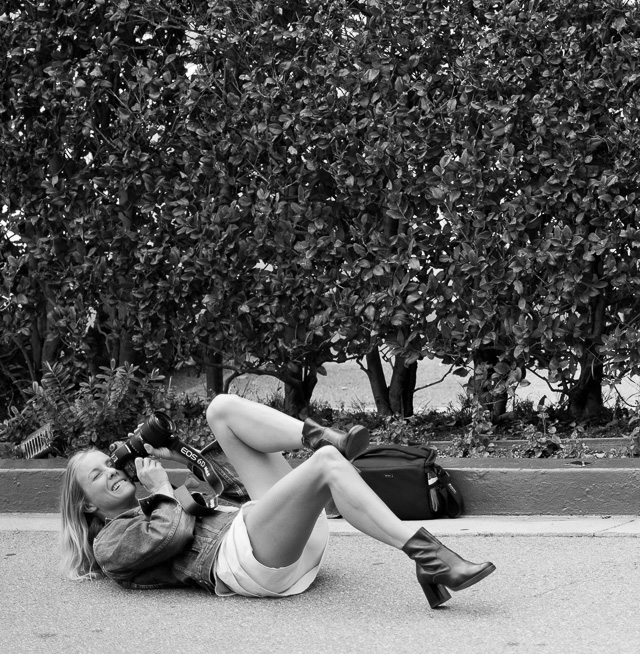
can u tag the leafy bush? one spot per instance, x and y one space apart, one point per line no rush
97 411
290 184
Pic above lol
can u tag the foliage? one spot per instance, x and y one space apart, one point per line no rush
477 437
271 186
99 410
400 431
634 437
106 408
537 188
93 173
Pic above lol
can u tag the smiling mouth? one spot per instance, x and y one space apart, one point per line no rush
117 485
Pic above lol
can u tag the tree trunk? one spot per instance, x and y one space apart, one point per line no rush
126 351
214 373
52 342
36 348
585 398
402 387
297 394
378 384
482 386
95 351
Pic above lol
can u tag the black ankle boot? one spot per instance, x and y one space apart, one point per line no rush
438 568
351 444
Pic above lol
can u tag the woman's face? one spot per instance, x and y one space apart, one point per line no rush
107 491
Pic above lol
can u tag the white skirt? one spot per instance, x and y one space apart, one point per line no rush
237 572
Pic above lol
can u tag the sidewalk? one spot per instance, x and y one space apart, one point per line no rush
563 585
544 525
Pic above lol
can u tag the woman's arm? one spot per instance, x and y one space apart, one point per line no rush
153 476
136 539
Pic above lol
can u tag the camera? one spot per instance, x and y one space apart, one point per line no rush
158 431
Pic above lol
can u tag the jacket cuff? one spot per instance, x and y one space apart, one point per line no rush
148 504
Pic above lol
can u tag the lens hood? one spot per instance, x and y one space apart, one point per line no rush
157 430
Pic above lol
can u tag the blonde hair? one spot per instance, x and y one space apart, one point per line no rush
79 528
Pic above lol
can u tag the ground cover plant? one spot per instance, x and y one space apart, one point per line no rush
529 431
105 408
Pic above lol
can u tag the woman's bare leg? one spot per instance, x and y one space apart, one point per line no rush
279 525
253 437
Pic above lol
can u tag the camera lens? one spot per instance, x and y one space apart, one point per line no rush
157 429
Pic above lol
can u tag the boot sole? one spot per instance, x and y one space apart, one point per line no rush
474 580
357 442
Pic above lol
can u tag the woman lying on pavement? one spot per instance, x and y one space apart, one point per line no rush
272 547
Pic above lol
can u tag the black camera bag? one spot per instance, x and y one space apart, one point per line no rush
409 481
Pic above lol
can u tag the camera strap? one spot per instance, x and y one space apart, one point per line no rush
199 466
194 503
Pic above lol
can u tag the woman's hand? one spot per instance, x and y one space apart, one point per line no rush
153 476
163 453
158 452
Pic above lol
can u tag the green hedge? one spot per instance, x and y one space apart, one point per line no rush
278 185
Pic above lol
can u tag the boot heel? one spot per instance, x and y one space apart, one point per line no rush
357 442
436 594
350 445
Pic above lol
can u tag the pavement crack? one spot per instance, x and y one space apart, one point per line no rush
617 526
564 585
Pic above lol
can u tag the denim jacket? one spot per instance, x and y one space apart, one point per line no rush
159 544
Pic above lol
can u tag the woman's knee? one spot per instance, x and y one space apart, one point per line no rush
330 463
220 410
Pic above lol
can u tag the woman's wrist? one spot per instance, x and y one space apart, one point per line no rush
164 489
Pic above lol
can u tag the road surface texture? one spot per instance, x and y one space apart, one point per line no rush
560 586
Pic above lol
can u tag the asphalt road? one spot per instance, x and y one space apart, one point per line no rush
564 594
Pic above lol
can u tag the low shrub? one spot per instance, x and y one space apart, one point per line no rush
106 407
101 409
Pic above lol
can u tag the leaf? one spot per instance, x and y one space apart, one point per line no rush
372 74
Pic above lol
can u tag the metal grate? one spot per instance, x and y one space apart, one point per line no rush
38 444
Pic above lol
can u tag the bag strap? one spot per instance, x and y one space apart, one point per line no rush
450 495
428 453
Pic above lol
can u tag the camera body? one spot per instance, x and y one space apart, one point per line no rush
158 430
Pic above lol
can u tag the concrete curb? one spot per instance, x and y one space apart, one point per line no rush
547 487
498 487
33 486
